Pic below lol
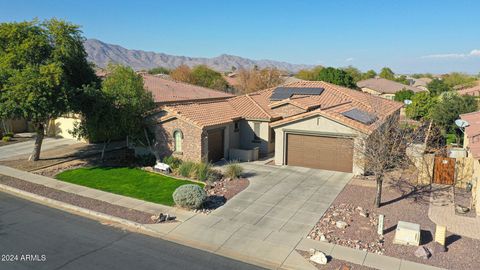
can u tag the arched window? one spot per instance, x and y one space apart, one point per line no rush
178 138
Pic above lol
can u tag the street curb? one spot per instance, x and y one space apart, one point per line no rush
72 208
129 224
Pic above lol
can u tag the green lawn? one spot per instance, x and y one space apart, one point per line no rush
130 182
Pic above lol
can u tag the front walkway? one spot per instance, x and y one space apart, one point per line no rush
26 148
442 212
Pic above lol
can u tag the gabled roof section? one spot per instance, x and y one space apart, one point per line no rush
382 85
169 91
471 91
473 132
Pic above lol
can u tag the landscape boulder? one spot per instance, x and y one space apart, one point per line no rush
423 252
318 257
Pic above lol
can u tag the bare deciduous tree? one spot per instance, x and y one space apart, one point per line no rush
385 150
257 79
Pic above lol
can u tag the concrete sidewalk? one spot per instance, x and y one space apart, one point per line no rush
263 225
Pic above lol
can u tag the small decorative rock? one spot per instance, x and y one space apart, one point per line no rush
423 252
461 209
319 257
341 224
322 238
363 214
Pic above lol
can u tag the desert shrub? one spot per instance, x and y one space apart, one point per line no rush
233 170
6 138
9 134
172 161
214 175
187 169
202 171
146 160
189 196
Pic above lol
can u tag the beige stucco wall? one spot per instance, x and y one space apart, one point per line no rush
14 125
320 126
475 176
246 136
62 126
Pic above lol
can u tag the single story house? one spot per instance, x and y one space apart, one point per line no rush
309 123
421 83
385 88
164 90
471 143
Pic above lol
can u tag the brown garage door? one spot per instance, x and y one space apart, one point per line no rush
327 153
215 145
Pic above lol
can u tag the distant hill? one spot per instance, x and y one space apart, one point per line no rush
102 53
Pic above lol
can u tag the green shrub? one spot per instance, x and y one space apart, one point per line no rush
233 170
9 134
6 138
187 169
174 162
189 196
214 175
202 171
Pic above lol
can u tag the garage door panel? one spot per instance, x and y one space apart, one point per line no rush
319 152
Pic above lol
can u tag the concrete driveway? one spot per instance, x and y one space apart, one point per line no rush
270 217
26 148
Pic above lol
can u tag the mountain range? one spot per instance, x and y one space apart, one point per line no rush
101 53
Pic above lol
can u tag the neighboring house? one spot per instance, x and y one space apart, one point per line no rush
311 124
384 88
471 91
164 90
472 144
421 83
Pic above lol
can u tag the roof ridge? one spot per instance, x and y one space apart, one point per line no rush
258 106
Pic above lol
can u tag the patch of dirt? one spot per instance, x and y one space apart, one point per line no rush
80 201
401 201
14 140
334 264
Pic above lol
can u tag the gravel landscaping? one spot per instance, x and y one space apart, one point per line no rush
354 205
77 200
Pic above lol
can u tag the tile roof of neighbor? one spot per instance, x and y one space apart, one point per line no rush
471 91
473 132
385 86
167 90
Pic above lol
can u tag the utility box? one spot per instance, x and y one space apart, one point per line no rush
407 234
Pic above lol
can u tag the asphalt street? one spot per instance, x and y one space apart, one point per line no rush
34 236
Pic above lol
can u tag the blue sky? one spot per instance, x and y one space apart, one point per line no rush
408 36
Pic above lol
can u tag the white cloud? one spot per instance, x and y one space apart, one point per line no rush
473 53
350 59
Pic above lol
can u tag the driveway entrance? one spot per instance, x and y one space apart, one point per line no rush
278 209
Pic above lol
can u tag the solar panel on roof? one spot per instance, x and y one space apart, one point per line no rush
360 116
281 93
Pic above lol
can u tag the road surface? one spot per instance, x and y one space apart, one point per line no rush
34 236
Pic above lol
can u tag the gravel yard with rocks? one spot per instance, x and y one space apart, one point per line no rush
354 206
80 201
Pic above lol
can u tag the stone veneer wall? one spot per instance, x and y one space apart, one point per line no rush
192 136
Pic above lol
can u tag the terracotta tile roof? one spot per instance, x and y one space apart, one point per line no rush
473 132
332 102
167 90
471 91
382 85
336 99
204 114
